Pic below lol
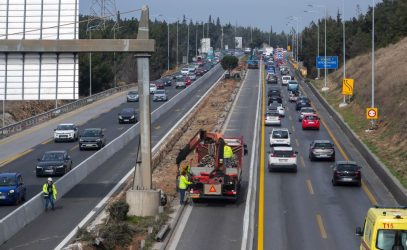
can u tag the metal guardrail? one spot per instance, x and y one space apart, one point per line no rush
32 121
30 210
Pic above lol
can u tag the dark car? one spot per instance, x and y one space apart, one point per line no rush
276 99
12 189
177 75
274 92
92 138
159 84
54 163
200 72
322 149
167 81
271 78
346 172
127 115
302 101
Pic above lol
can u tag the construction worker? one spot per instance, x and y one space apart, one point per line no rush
50 193
227 155
182 186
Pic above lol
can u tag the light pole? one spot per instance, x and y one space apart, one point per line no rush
373 60
296 19
188 46
343 104
325 88
312 11
90 59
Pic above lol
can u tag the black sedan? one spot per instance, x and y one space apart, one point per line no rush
54 163
346 172
321 150
127 115
302 102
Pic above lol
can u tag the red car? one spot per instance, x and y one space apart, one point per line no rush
187 81
159 84
310 121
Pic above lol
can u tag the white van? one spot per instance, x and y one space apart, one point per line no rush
285 79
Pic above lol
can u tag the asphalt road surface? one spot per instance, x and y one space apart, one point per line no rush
219 224
48 230
303 210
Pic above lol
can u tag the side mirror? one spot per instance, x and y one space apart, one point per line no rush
359 231
38 159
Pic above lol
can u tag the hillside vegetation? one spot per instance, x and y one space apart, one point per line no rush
389 140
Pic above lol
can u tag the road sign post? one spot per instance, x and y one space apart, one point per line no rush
347 86
372 113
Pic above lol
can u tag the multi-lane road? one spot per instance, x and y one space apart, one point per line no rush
293 210
48 230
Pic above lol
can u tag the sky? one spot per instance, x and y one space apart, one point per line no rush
256 13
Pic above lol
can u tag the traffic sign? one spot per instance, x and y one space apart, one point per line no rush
347 86
212 189
372 113
289 48
331 62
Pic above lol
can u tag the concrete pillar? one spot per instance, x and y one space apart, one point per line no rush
143 202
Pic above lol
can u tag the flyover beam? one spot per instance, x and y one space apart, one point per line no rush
77 46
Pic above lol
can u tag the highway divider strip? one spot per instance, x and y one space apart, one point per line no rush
391 182
30 210
250 206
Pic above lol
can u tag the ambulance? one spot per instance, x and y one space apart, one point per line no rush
385 228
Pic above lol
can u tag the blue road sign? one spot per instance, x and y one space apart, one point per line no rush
331 62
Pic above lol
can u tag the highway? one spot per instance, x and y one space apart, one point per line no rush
51 228
218 224
303 210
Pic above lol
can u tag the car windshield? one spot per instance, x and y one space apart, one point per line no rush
283 153
51 156
160 92
127 111
90 132
281 134
323 145
286 77
65 127
347 167
272 114
307 110
133 93
391 239
311 118
184 69
152 85
7 181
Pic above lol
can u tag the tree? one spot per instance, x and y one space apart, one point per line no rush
229 62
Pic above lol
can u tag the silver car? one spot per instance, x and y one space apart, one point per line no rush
180 83
132 96
192 77
160 95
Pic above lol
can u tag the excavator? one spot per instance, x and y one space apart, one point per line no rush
212 178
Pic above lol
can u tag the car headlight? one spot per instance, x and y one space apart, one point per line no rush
61 166
98 140
132 117
11 191
39 167
120 117
80 140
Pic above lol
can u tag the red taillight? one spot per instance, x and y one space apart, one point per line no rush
358 174
336 173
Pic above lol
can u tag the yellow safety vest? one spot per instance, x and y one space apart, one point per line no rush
54 190
183 182
227 152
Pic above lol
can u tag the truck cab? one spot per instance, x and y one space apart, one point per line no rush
385 228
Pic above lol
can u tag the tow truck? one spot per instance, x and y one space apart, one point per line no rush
211 179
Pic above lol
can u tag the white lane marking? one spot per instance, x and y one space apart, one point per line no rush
248 218
105 199
178 233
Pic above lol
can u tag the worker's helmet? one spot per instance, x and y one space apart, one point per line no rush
50 179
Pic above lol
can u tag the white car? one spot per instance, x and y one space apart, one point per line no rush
66 132
272 119
282 158
192 76
191 69
304 111
153 88
184 71
285 80
180 83
280 136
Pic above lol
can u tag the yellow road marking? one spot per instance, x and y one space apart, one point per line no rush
310 188
369 194
47 141
260 230
157 127
297 142
74 147
302 161
321 227
15 157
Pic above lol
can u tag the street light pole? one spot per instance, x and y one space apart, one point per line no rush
177 42
343 104
325 88
90 66
188 46
168 47
373 60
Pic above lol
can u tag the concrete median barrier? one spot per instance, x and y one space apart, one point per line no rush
33 208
